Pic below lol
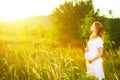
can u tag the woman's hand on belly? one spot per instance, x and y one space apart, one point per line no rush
90 60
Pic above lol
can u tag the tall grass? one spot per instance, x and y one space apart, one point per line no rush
112 65
41 61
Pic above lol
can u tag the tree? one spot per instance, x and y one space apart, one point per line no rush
68 17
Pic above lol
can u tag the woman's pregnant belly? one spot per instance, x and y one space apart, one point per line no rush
90 54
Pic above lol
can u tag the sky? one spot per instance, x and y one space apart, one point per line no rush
16 9
105 5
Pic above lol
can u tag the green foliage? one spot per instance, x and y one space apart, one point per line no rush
112 33
84 27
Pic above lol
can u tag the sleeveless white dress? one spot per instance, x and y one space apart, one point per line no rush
95 68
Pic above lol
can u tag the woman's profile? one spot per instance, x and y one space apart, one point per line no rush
94 51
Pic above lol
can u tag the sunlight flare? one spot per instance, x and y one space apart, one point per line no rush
19 9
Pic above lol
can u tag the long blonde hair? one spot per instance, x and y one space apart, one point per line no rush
98 30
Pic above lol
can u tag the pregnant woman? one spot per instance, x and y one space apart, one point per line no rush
94 51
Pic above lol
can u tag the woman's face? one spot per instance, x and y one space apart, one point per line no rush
92 28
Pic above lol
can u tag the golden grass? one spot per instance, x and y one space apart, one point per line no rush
42 61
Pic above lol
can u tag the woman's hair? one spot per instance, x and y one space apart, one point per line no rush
98 30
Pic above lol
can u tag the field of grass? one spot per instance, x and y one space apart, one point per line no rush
39 60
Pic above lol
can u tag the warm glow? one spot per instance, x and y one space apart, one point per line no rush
18 9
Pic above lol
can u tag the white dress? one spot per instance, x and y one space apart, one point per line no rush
95 68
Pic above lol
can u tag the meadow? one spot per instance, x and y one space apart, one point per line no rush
28 52
43 59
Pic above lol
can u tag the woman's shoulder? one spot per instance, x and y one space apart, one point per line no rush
99 39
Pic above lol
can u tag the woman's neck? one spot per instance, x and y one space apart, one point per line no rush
93 36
